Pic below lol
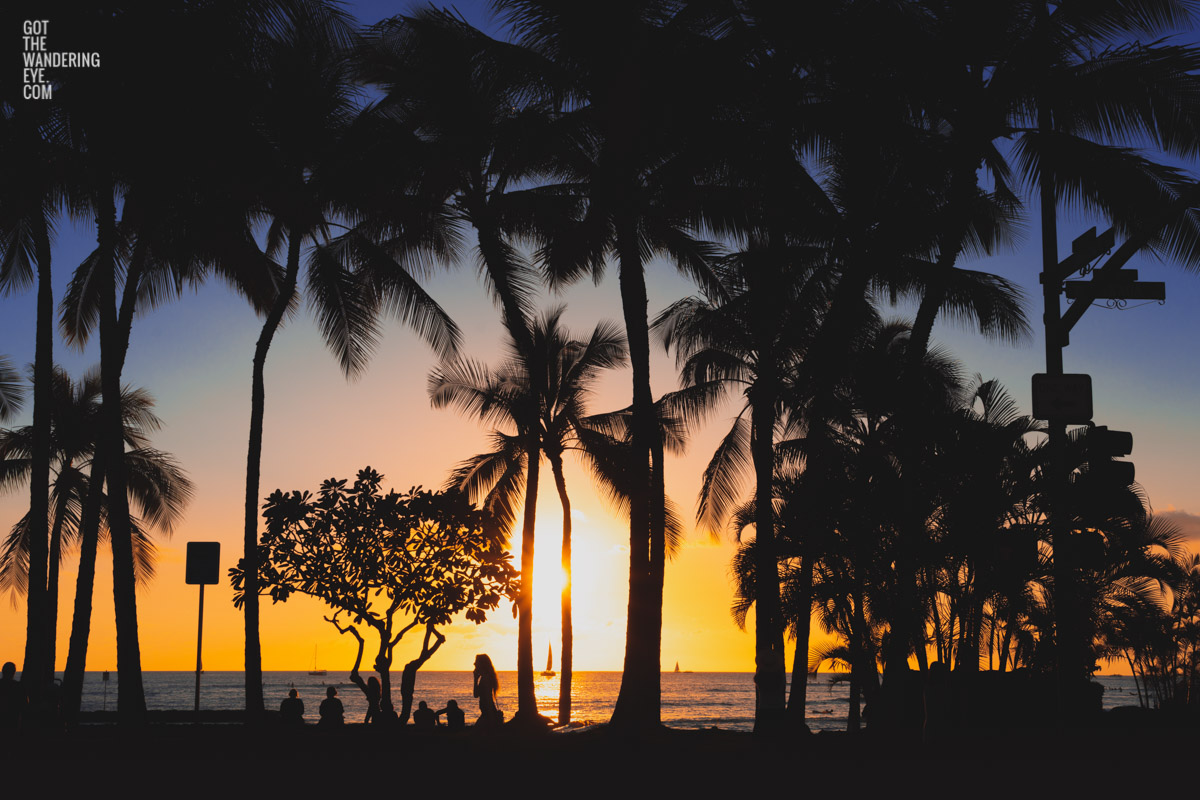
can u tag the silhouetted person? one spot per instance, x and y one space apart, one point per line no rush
374 692
291 710
456 719
12 699
332 712
423 718
486 685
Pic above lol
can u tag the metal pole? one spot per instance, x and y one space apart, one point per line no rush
1066 622
199 639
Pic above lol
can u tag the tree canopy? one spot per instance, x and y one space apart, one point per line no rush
378 559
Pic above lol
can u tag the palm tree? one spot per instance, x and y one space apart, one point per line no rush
633 76
157 486
750 334
541 397
34 169
183 174
458 104
312 170
118 139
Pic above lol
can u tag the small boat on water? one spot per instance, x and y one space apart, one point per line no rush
314 670
677 666
549 671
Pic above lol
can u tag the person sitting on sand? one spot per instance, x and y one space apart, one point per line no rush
486 685
423 718
456 720
332 712
291 710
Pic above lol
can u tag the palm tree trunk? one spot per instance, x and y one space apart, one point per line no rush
131 698
770 678
658 563
936 612
81 622
38 663
1005 642
798 700
526 697
566 653
52 585
638 700
253 658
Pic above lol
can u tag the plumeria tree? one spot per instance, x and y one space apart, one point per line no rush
386 564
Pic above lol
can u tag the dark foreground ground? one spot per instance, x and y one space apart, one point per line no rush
220 754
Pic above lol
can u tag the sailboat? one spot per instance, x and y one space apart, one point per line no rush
549 672
314 670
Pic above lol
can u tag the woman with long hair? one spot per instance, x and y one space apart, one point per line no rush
486 685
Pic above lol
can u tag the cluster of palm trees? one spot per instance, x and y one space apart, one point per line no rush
798 163
157 488
978 586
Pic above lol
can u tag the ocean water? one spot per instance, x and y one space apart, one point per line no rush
689 700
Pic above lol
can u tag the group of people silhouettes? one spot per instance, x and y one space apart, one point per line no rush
291 710
333 714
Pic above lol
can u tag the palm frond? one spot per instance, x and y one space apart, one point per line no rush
722 481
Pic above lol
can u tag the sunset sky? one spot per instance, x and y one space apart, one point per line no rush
194 357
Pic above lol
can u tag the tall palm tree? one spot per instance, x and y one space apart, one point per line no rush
540 396
33 170
313 177
157 486
175 170
749 335
122 144
631 74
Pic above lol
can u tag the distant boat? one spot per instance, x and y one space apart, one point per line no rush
314 670
549 673
677 666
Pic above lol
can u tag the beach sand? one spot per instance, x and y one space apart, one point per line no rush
594 760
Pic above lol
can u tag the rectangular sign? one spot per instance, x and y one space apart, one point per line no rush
203 562
1063 398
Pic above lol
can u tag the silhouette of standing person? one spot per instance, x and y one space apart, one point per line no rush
456 720
12 699
374 692
332 712
486 685
291 710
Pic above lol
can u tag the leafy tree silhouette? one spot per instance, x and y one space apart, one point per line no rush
377 559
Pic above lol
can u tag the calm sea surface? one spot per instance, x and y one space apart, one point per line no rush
689 700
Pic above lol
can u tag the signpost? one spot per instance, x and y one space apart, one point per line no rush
1065 399
203 567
